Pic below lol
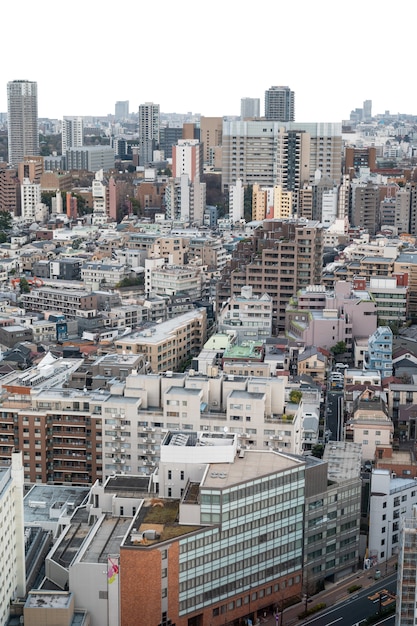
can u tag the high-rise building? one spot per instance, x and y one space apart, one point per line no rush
367 110
285 153
250 107
236 201
187 158
121 110
210 135
72 133
22 108
279 104
148 131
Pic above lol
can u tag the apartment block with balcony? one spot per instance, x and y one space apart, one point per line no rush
379 355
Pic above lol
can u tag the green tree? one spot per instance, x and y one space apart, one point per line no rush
339 348
24 285
317 450
6 220
295 396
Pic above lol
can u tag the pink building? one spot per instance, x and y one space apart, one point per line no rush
322 319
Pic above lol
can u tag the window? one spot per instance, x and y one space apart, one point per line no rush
182 475
169 475
169 492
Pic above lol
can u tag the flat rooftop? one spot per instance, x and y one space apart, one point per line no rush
48 599
254 464
39 501
343 460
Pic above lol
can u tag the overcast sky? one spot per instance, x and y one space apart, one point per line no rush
204 57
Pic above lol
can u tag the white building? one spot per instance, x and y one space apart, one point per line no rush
72 133
99 199
22 114
236 201
12 544
31 199
391 500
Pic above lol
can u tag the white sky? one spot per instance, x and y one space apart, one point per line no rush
204 57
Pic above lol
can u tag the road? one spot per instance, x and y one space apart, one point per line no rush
359 605
334 417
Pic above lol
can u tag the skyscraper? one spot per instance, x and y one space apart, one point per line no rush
121 110
72 133
22 108
148 131
250 107
279 104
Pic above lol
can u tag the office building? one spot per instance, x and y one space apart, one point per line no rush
22 109
90 158
72 133
279 104
149 122
250 107
252 502
121 110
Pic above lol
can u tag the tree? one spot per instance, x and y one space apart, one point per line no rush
339 348
317 450
24 285
295 396
6 220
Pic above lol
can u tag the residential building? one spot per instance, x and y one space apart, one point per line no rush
312 363
31 167
392 499
286 256
406 263
253 151
104 273
22 112
187 158
390 295
68 301
370 424
236 202
12 540
72 133
322 318
248 315
10 194
30 201
211 136
379 355
149 125
250 107
170 344
279 104
169 137
366 199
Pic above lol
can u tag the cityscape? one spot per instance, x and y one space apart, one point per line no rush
208 366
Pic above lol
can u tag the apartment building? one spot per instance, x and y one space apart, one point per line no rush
250 316
67 301
286 256
168 345
266 152
370 424
392 499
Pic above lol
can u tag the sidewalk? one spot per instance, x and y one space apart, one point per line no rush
333 594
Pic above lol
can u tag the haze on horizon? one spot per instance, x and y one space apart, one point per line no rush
205 60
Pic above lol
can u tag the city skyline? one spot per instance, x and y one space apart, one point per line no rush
313 50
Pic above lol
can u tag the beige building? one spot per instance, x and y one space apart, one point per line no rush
370 425
168 345
211 132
